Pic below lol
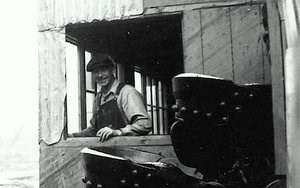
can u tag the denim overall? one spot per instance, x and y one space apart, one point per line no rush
109 114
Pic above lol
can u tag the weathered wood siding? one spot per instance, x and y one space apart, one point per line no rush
278 92
61 164
247 30
226 42
191 37
216 44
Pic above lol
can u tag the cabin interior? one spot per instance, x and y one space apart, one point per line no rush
151 41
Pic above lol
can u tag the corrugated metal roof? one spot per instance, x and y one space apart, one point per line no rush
58 13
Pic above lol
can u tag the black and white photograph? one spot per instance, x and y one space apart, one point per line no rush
150 94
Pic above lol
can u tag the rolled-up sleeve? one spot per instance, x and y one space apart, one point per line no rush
137 119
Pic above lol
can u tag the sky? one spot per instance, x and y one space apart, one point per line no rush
19 94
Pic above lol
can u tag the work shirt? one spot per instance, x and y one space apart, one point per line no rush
131 106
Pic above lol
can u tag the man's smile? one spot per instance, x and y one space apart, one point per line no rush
103 79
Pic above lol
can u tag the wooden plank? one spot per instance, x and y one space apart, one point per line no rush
247 44
216 42
292 82
159 3
277 87
151 140
52 85
292 86
191 37
164 3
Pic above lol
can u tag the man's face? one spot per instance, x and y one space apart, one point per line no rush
104 76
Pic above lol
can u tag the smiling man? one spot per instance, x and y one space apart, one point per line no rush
118 108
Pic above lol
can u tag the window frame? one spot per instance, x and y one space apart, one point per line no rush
125 73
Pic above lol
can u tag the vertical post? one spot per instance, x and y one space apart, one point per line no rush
165 109
144 89
82 88
160 108
277 75
121 72
292 86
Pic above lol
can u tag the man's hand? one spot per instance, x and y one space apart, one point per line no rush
106 132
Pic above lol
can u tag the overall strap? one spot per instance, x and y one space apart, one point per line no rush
119 88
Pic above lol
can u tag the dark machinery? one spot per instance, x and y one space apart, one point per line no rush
223 130
116 171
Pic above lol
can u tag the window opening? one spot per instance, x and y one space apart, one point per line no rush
72 77
155 101
148 53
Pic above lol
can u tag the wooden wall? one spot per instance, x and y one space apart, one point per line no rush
226 42
61 164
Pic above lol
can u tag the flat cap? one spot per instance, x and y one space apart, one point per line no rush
99 60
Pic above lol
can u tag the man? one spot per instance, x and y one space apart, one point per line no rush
118 108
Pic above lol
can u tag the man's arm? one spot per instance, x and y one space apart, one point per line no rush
133 108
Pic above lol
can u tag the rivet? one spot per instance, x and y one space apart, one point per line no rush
237 108
136 185
208 114
251 95
224 118
149 175
99 186
134 172
123 181
222 103
196 112
89 182
235 94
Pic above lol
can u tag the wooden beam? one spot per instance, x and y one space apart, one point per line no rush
159 3
82 88
191 38
151 140
292 86
277 87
